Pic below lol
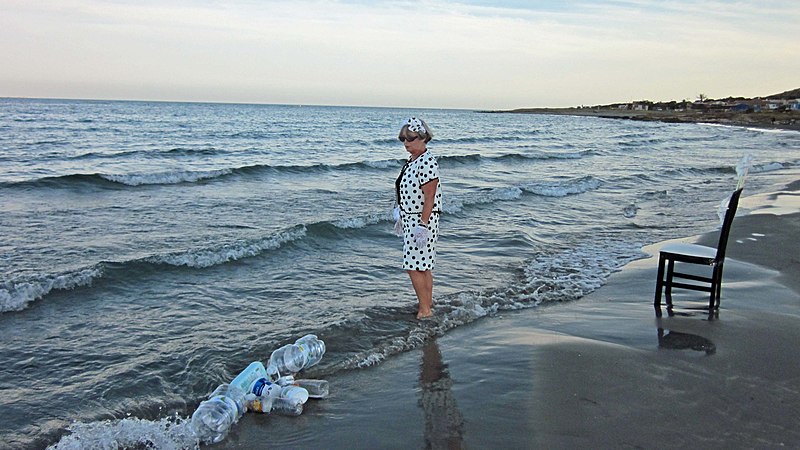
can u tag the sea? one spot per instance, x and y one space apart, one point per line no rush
150 251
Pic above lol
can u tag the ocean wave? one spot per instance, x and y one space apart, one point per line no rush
203 258
564 188
121 180
172 177
513 157
574 273
189 151
730 169
750 128
15 296
149 153
456 204
362 221
488 139
768 167
192 176
169 433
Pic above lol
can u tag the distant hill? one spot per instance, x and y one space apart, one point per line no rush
788 95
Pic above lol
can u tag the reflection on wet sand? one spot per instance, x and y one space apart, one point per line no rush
675 340
444 424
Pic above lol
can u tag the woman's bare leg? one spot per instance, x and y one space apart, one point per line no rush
423 286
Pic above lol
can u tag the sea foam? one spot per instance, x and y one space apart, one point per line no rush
211 257
165 177
169 433
15 296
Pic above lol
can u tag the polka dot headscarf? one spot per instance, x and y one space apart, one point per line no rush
415 126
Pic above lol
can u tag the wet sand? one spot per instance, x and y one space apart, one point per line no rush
601 372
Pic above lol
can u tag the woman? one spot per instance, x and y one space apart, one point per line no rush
419 204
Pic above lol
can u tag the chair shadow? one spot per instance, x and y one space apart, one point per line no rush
675 340
444 423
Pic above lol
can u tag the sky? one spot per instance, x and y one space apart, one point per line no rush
469 54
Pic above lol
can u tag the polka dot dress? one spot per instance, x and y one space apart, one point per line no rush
414 175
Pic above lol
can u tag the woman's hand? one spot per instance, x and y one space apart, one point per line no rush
421 235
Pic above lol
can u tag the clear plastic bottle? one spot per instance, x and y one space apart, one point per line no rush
315 388
272 372
295 393
287 407
261 404
288 359
245 379
214 417
313 347
285 381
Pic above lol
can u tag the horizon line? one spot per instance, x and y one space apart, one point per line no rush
211 102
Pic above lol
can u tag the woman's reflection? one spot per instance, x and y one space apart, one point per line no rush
444 425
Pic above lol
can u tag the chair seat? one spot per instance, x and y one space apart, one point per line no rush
700 251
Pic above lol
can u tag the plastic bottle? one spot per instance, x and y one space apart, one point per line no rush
315 388
214 417
287 407
295 393
285 381
262 387
313 347
262 404
288 359
244 380
272 372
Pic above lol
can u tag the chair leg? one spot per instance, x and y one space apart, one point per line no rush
716 287
712 300
668 282
659 282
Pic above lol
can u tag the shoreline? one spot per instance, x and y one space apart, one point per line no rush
600 372
767 120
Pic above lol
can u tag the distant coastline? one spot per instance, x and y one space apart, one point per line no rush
779 111
787 120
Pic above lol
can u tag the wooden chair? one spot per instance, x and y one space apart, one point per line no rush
696 254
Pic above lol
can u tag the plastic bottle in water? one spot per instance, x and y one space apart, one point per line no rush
262 387
288 359
315 388
272 372
214 417
295 393
285 381
244 380
313 347
287 407
262 404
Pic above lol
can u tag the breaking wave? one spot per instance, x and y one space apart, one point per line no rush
193 176
17 295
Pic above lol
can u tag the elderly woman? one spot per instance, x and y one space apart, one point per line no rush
419 203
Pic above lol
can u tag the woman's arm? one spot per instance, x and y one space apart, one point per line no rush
429 193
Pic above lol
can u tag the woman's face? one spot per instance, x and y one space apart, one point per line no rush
413 143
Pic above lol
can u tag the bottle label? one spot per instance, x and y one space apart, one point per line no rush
260 386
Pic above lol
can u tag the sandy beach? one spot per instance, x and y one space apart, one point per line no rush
601 372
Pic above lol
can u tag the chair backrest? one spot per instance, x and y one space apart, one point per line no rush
733 203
